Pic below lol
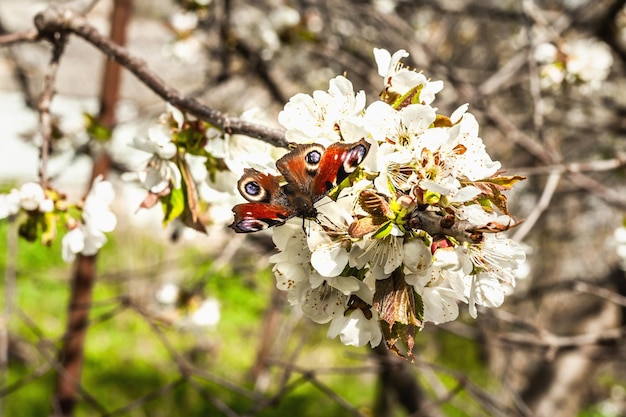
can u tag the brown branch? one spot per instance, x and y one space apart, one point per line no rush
487 401
43 106
8 39
594 166
536 149
151 396
59 21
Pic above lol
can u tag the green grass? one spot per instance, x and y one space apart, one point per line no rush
126 360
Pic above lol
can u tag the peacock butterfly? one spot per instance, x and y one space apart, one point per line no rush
309 172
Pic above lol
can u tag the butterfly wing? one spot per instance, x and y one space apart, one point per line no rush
267 205
257 187
252 217
300 166
310 171
337 163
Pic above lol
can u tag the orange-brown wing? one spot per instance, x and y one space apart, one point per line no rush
338 162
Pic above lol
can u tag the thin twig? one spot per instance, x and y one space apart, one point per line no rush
573 167
151 396
43 347
612 296
53 20
544 202
43 106
19 37
183 366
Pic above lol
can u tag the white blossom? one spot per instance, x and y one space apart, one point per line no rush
585 62
354 329
313 118
9 204
207 314
88 236
420 165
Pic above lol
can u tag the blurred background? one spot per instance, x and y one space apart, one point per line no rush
182 323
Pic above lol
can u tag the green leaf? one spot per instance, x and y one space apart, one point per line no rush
173 205
503 181
384 230
431 197
97 130
410 97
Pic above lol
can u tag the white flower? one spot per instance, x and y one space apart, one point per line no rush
417 258
589 60
187 50
383 256
354 329
440 304
314 118
72 243
401 80
388 65
159 174
207 314
30 197
474 163
96 212
321 304
328 240
546 53
184 21
413 164
402 127
292 261
168 294
586 62
33 197
9 204
395 169
88 236
283 17
159 142
496 260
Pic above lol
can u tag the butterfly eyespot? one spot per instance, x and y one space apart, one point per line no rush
354 158
252 190
251 225
313 157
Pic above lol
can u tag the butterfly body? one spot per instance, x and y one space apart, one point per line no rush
308 172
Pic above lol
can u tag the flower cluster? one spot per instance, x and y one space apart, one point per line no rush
187 43
186 170
415 233
29 197
88 235
40 210
584 62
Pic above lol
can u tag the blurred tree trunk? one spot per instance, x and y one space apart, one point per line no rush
84 275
